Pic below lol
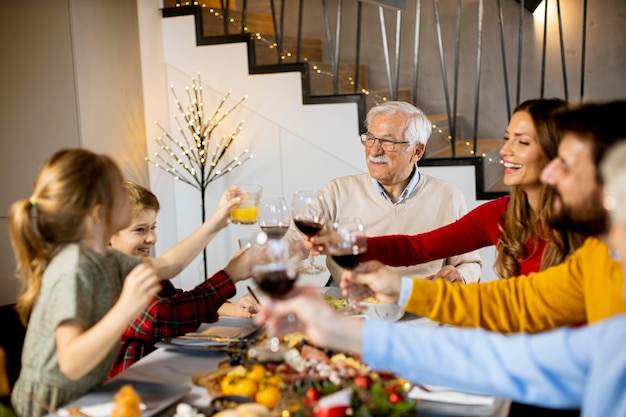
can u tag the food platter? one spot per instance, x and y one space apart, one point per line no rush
306 378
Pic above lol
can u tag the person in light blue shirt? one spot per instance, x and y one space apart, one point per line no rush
567 368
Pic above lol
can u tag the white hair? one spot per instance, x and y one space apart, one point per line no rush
418 127
613 169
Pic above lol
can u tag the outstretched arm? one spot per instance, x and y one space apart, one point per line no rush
475 230
552 369
172 262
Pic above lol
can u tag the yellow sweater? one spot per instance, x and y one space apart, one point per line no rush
584 289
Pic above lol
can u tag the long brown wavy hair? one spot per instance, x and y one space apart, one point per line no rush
70 184
520 224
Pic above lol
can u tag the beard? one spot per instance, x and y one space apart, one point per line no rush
590 219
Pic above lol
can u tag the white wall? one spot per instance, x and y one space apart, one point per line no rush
70 77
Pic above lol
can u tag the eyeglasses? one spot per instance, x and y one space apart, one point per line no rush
387 145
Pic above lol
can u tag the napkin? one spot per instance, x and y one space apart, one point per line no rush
96 410
334 405
445 395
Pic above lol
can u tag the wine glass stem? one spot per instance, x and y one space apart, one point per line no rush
311 259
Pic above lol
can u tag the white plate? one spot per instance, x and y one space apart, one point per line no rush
391 312
227 327
155 396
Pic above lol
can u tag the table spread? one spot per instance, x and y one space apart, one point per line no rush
178 367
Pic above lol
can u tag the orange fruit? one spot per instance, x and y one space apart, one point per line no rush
268 396
257 372
227 384
274 380
245 387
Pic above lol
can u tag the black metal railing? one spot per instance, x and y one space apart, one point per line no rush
392 52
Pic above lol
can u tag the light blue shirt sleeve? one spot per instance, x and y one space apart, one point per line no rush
565 368
406 286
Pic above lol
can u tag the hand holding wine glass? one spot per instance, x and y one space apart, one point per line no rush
309 217
347 245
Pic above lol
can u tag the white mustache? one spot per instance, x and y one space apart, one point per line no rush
380 159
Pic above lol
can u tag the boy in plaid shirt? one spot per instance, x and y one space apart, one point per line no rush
173 311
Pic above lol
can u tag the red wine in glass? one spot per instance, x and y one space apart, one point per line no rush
348 254
275 232
276 283
308 227
347 260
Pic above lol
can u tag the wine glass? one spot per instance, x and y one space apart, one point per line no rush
346 246
275 271
274 217
308 216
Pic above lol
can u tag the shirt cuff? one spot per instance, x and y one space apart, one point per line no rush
406 288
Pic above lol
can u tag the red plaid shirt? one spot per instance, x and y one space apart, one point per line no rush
171 313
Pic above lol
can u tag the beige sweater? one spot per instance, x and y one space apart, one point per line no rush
433 203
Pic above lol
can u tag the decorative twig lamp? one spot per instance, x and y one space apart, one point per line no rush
196 159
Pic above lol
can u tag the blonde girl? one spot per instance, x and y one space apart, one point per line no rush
78 295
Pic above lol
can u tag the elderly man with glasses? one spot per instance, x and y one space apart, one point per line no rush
395 197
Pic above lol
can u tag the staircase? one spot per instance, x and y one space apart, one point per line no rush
306 56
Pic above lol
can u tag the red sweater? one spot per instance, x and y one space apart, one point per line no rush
475 230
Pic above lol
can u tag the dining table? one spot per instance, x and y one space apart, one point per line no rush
174 367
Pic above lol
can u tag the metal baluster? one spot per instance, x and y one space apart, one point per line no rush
331 55
278 35
583 52
444 74
383 32
520 43
299 36
244 14
505 70
359 19
479 48
544 48
457 51
562 41
394 95
337 45
225 13
416 48
282 31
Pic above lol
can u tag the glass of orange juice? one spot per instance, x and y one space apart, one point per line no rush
248 211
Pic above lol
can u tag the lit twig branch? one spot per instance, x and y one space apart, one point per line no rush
232 165
191 159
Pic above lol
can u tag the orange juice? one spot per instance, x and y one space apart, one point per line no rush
244 215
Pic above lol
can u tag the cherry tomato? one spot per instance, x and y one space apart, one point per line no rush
312 394
394 398
363 381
